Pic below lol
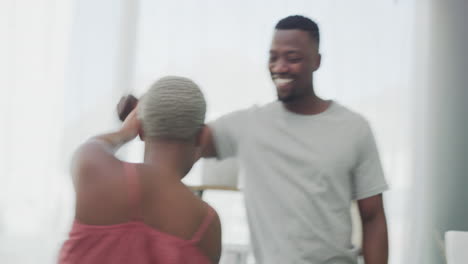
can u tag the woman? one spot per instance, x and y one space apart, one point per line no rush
143 213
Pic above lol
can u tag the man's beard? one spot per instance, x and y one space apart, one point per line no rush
288 98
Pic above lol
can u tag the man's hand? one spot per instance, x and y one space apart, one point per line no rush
126 105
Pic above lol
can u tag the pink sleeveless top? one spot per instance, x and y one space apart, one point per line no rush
132 242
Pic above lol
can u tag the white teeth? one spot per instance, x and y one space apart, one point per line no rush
279 81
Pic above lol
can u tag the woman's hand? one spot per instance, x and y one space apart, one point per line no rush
131 126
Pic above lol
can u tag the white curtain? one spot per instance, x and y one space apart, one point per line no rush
65 63
34 44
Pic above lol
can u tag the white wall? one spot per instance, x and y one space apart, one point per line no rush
441 131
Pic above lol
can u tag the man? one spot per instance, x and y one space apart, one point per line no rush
304 160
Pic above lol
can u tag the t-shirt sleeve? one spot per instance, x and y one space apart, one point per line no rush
227 133
368 177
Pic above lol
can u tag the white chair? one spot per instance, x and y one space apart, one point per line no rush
223 176
456 247
218 175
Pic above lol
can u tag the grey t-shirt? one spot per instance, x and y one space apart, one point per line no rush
300 174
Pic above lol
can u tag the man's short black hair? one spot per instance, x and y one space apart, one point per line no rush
301 23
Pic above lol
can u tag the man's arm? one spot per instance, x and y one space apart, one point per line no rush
374 226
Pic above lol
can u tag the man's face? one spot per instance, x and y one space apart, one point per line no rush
293 58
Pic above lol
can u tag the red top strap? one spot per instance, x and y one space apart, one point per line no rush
204 225
134 190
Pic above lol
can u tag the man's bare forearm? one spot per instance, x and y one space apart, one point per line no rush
375 239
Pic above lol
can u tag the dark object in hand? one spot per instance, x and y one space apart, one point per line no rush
126 105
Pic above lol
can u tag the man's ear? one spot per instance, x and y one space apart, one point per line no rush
317 62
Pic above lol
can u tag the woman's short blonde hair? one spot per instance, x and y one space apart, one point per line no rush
173 108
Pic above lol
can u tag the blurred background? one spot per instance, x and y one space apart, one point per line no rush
64 65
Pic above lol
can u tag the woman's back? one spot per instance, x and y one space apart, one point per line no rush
127 214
